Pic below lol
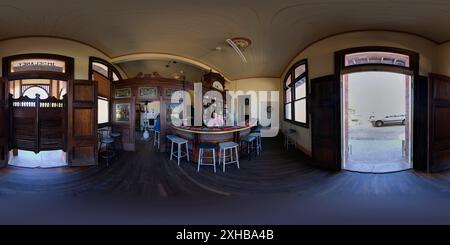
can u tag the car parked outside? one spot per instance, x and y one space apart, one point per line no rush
394 119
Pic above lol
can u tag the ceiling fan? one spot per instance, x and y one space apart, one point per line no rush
239 44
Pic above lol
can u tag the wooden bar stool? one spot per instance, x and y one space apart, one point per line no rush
206 147
223 147
179 154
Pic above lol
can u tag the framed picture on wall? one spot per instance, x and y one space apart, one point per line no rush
169 91
122 93
148 92
122 112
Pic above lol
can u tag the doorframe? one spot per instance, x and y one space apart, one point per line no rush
341 69
66 76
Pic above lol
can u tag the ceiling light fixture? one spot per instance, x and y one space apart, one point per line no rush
242 42
239 44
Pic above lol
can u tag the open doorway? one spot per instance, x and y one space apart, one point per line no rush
38 121
376 112
146 116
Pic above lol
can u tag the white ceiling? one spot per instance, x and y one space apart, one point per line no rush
192 73
279 29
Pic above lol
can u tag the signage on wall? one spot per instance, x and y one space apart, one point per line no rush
38 65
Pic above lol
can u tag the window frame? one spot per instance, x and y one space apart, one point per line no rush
291 85
111 70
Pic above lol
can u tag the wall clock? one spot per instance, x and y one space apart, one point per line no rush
217 85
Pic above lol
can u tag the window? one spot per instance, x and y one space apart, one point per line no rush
296 94
38 66
103 110
100 68
104 68
33 91
380 58
104 73
115 77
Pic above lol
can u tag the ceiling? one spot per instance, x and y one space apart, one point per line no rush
279 29
168 69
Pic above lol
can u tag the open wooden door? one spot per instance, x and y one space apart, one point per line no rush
326 122
82 136
439 123
4 122
420 123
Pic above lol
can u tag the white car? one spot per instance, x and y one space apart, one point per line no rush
395 119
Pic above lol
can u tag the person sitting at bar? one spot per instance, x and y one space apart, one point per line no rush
215 120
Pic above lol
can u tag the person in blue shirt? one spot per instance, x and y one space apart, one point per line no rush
157 124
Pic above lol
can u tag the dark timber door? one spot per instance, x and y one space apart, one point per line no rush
439 123
82 136
420 122
4 122
325 122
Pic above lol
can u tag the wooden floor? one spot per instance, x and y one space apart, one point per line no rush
278 187
150 174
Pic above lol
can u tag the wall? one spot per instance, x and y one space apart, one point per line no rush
320 57
257 84
79 51
442 61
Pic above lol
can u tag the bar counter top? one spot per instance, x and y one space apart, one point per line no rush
211 130
214 135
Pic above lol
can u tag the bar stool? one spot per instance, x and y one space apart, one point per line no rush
258 130
117 137
169 138
179 154
257 135
156 138
250 142
223 147
107 153
289 138
206 147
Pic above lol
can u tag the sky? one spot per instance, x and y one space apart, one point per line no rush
377 92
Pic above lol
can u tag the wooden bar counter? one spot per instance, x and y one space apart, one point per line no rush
216 135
